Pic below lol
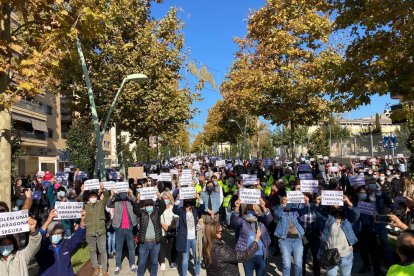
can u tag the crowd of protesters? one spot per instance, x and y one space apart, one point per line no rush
309 236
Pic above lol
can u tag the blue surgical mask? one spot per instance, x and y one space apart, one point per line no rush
373 186
250 213
149 209
167 201
362 197
55 239
6 250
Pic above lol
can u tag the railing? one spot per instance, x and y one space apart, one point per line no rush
31 106
32 135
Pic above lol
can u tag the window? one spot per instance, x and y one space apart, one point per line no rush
50 132
107 144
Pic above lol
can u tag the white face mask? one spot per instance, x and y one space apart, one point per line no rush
93 200
6 250
382 178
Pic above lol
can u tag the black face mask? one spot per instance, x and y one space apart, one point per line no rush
123 196
209 189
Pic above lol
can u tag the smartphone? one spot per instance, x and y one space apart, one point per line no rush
382 219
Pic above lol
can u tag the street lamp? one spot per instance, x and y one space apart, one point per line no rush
243 131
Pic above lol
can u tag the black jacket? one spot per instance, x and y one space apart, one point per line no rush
159 208
225 260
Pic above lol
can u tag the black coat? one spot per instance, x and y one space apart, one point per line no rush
159 208
181 239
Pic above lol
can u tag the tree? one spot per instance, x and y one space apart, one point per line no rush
198 144
378 128
289 138
81 144
16 151
126 156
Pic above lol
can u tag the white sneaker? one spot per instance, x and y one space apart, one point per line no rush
162 267
134 268
117 270
173 265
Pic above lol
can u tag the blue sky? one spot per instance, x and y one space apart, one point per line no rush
210 28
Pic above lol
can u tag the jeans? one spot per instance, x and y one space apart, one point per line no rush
313 244
111 240
186 256
120 236
98 244
287 247
167 245
345 267
257 263
228 215
153 249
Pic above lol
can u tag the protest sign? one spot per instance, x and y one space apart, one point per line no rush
136 172
187 171
295 197
305 176
309 186
187 193
109 185
37 194
40 174
121 187
91 184
400 155
153 176
319 156
220 163
174 171
46 184
366 208
267 162
362 158
250 196
68 210
356 180
186 182
334 169
304 167
14 222
333 198
249 179
148 193
165 177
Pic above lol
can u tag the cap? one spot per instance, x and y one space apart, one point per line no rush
55 225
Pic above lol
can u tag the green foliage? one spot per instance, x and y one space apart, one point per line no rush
378 128
81 144
286 137
125 155
319 140
16 150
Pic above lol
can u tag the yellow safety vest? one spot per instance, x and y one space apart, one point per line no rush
269 183
198 188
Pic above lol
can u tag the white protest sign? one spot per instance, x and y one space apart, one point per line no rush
187 171
187 193
40 174
250 196
306 176
295 197
334 169
91 184
362 158
333 198
68 210
174 171
304 167
109 185
186 178
249 179
366 208
400 155
220 163
121 187
148 193
165 177
14 222
356 180
153 176
186 182
309 186
319 156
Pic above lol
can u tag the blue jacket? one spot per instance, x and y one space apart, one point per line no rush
56 261
181 238
325 224
215 200
285 216
244 228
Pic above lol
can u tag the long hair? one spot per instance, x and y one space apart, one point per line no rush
407 183
210 233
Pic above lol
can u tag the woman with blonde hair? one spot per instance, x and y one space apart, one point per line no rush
220 258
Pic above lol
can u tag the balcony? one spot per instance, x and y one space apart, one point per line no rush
33 139
30 110
31 106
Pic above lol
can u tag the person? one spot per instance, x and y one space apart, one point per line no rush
212 199
252 217
337 232
123 222
149 232
405 250
169 224
187 232
13 261
220 258
96 230
54 256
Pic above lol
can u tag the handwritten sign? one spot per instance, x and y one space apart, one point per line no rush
249 179
68 210
356 180
309 186
366 208
14 222
306 176
333 198
165 177
250 196
91 184
148 193
121 187
187 193
109 185
295 197
136 172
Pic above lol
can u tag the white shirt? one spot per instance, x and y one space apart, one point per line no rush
167 218
191 231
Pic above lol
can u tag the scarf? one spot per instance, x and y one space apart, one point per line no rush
249 219
199 245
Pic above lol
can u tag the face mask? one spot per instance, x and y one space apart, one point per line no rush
61 194
6 250
372 198
123 196
372 186
149 209
369 172
209 189
215 183
382 178
167 201
362 197
250 213
388 173
93 200
55 239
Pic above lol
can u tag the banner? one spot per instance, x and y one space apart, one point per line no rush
187 193
309 186
366 208
249 179
305 176
356 180
109 185
136 172
14 222
295 197
121 187
250 196
68 210
333 198
91 184
148 193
